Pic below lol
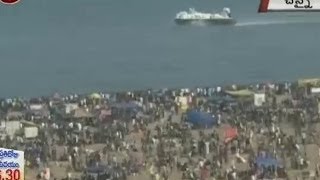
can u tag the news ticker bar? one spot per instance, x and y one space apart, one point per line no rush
289 5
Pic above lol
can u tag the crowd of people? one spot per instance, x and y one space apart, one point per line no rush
260 131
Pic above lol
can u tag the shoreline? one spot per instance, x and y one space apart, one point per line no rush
125 90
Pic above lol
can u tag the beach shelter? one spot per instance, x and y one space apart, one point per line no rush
230 133
95 96
267 161
310 82
241 93
201 119
124 110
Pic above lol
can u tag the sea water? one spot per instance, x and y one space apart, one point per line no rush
83 46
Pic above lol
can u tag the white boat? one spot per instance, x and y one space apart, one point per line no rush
187 17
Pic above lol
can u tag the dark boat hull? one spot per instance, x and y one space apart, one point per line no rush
205 21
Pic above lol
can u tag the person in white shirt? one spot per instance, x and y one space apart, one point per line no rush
70 160
219 119
253 177
71 125
47 174
201 164
79 126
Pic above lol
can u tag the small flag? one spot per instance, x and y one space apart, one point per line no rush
288 5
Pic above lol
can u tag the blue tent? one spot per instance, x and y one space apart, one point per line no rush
267 161
200 119
125 110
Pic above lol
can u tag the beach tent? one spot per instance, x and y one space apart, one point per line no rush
230 133
201 119
95 96
311 82
125 110
267 161
241 93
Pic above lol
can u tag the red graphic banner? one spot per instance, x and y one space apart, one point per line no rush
9 1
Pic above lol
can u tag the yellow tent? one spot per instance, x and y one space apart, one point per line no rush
95 96
243 92
313 82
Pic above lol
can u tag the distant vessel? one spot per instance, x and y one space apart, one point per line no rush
223 18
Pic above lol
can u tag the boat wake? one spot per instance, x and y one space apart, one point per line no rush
275 22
